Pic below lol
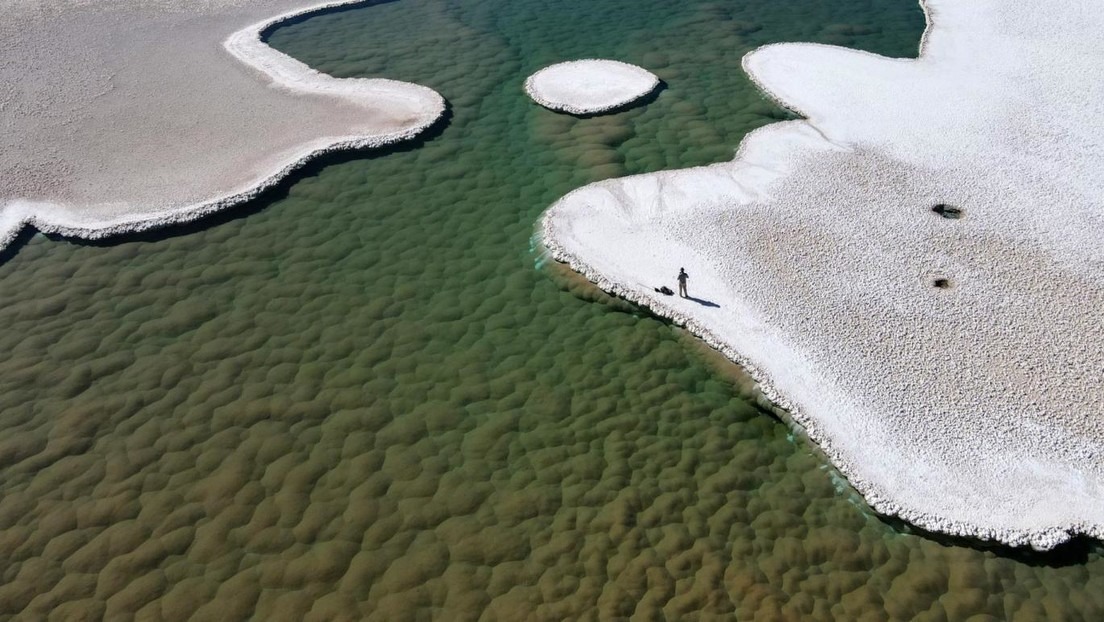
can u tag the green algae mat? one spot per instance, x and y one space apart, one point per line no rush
368 397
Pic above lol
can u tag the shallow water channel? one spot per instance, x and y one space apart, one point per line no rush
367 396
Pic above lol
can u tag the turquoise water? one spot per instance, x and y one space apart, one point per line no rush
366 398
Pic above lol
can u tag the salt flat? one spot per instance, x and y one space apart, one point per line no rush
128 114
950 367
589 86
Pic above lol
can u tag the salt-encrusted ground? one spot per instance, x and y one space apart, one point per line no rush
124 115
974 408
589 86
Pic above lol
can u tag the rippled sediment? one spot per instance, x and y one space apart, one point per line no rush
361 397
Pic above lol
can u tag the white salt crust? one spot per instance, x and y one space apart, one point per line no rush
974 410
142 113
589 86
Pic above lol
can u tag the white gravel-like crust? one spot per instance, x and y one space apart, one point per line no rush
975 410
589 86
134 114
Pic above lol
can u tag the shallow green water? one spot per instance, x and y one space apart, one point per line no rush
365 398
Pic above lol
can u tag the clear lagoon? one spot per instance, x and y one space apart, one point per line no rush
367 396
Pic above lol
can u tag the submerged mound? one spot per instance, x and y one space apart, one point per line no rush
589 86
133 115
948 363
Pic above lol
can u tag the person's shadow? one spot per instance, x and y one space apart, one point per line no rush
704 303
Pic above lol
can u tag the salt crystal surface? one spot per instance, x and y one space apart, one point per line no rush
589 86
135 114
953 369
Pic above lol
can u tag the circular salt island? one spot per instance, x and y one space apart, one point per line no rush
589 86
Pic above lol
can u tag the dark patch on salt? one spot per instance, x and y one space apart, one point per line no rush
947 211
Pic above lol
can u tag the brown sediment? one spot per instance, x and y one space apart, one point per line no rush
387 306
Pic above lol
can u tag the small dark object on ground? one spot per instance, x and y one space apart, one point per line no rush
942 283
947 211
666 291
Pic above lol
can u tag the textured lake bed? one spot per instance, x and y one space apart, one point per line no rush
361 398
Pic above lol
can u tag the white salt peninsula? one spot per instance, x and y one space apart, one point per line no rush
129 114
589 86
915 271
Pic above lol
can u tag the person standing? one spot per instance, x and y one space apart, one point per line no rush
682 276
